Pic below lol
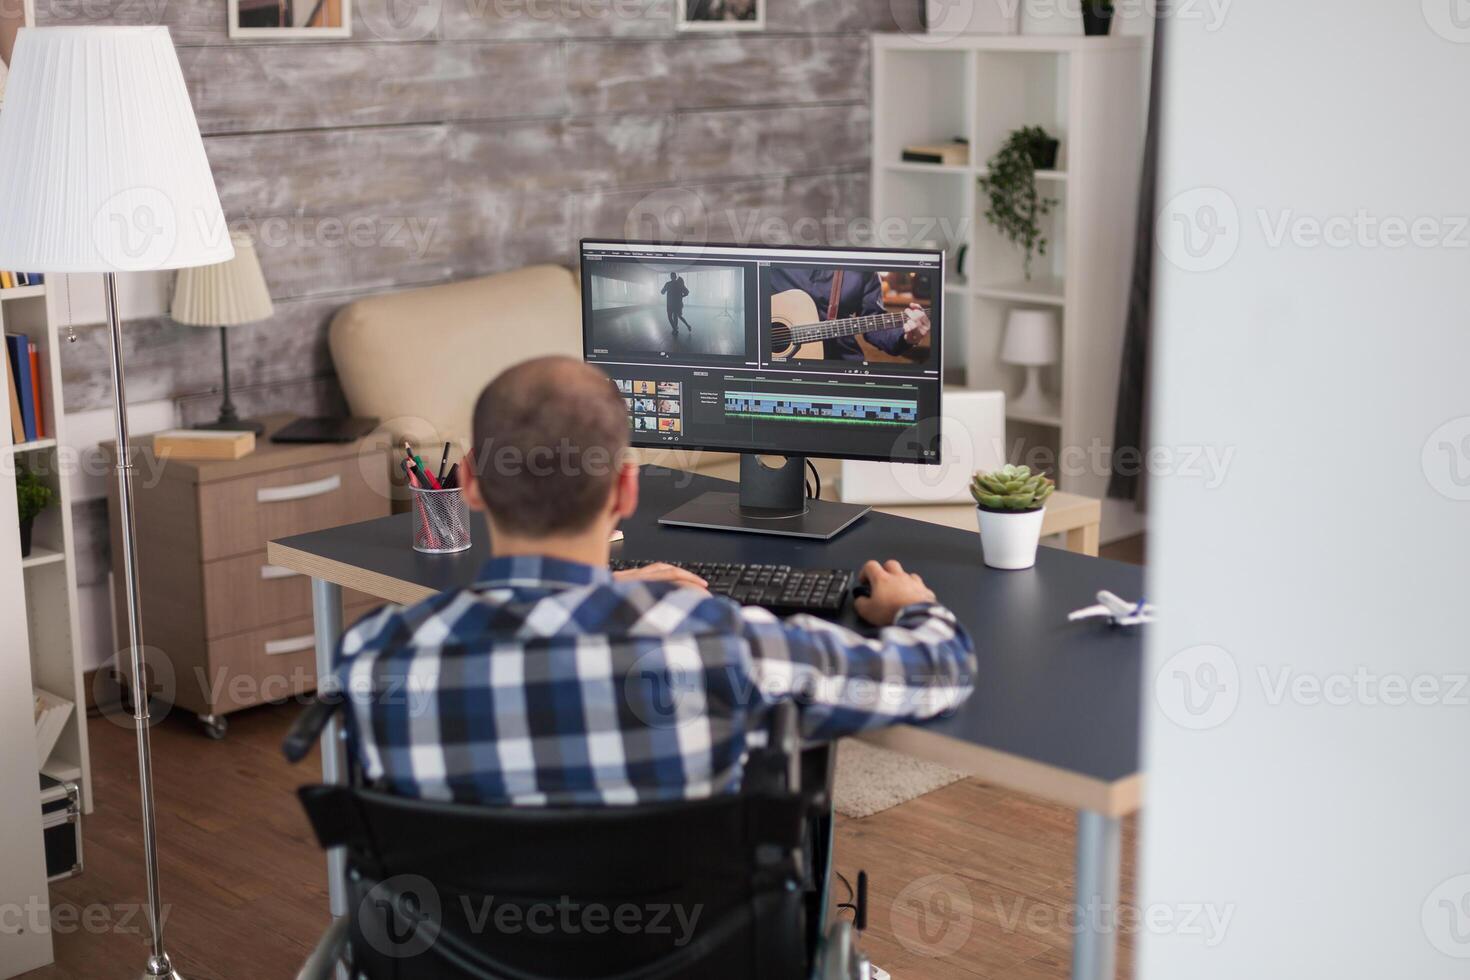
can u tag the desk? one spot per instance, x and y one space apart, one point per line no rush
1070 514
1056 706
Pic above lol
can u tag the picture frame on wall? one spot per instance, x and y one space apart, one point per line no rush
13 16
720 15
278 20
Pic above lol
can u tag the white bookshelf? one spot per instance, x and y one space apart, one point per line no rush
1088 92
48 574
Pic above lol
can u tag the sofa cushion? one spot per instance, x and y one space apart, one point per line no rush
418 359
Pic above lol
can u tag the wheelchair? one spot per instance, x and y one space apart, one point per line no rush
733 886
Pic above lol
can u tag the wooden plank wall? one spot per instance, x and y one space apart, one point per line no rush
455 138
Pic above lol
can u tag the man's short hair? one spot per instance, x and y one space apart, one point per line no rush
550 436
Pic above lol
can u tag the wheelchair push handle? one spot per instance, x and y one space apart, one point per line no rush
307 730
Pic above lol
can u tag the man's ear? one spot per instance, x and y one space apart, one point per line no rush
625 490
469 487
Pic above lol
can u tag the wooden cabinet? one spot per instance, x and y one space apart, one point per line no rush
223 628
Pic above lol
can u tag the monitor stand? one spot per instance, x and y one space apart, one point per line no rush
772 500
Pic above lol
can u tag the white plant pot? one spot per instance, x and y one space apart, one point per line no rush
1009 540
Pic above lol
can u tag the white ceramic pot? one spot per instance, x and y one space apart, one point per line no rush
1008 540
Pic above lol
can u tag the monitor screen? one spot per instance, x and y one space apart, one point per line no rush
782 350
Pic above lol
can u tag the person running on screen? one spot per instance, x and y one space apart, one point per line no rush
674 291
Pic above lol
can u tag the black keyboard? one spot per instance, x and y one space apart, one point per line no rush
779 588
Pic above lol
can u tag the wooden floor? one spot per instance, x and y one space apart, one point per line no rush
969 881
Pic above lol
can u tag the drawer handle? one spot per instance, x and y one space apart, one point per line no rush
276 571
295 644
298 491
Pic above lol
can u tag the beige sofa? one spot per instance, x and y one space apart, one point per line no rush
417 359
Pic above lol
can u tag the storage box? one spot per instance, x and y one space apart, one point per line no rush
61 827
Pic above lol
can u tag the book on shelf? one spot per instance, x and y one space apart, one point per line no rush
52 711
18 349
35 356
17 426
14 280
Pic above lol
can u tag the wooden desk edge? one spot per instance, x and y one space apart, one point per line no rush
1118 798
1114 799
385 587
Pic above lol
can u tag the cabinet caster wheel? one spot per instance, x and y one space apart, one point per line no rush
215 726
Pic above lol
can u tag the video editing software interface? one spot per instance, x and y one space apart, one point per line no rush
816 352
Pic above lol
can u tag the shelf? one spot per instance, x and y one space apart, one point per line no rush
1056 176
61 770
1037 43
1054 421
903 167
42 556
34 446
908 167
1050 292
23 292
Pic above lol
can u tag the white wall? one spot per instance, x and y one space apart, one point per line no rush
141 294
1327 822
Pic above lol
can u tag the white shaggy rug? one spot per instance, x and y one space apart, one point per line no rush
870 779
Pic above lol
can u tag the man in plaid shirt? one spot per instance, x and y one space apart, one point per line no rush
552 680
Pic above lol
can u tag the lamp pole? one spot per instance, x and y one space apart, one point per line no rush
158 961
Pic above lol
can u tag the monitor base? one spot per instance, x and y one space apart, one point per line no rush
772 500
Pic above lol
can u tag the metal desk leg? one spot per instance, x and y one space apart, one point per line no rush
1099 848
326 612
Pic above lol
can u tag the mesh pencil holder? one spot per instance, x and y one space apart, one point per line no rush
441 521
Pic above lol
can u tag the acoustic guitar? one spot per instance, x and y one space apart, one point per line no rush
797 330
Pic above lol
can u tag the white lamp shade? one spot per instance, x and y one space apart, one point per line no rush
101 164
1032 338
226 294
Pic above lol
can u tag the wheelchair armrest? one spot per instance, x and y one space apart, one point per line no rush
322 963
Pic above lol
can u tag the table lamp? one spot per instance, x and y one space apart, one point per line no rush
102 170
224 295
1031 341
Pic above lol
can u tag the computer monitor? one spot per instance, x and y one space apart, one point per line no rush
777 350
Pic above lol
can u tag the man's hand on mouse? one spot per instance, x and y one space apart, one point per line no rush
890 589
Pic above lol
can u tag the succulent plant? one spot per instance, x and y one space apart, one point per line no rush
1011 488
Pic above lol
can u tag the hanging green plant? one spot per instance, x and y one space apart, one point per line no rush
1016 207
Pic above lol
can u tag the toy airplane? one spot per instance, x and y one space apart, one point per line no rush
1119 612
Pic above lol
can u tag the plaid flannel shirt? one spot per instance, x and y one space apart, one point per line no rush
547 682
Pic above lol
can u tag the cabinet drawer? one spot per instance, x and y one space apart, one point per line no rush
262 665
247 592
240 516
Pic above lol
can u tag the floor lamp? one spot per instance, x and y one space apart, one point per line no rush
102 170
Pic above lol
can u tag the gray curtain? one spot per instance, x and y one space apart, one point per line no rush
1130 424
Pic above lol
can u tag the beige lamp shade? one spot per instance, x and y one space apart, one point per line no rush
1032 338
223 295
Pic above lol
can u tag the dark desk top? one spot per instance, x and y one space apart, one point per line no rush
1056 707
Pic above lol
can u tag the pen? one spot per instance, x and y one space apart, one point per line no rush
424 474
452 480
442 461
